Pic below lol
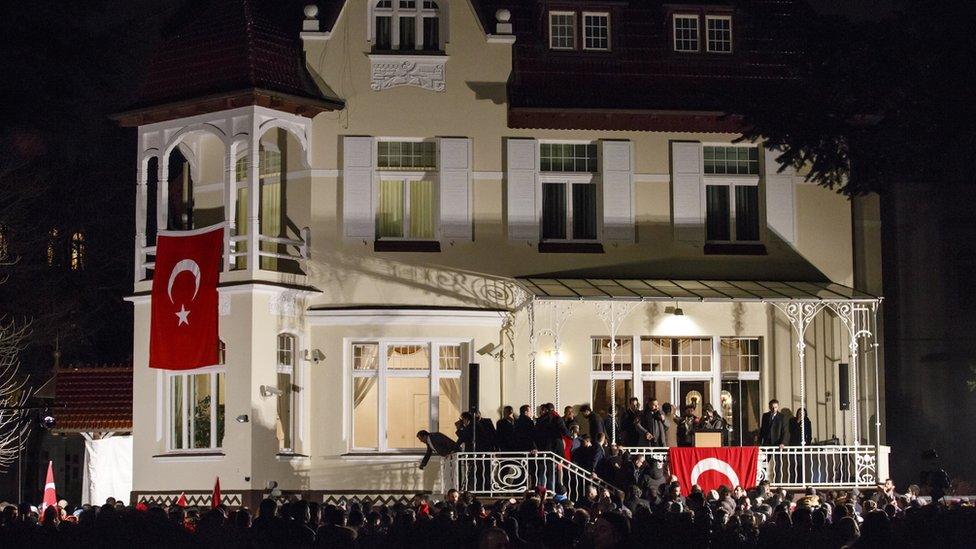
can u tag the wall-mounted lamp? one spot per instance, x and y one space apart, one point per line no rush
242 418
269 391
678 311
315 356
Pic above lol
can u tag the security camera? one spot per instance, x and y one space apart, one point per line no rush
315 356
491 349
268 391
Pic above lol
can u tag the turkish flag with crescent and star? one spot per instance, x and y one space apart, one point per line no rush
711 468
183 332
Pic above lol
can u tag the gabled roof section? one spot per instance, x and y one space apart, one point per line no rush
93 399
226 54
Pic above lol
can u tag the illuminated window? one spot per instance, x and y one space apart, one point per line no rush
401 25
197 405
604 389
53 248
78 251
677 354
288 392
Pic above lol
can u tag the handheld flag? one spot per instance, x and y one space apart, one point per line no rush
181 501
215 498
49 492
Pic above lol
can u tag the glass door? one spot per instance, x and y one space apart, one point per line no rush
695 392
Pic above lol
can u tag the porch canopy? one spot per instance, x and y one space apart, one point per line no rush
800 302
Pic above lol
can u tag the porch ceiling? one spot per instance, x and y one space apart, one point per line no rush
596 289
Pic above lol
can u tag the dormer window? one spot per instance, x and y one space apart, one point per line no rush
687 37
406 25
562 30
567 27
596 31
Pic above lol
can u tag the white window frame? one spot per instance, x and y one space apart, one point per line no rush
708 20
583 17
382 373
731 181
293 372
674 31
213 371
575 30
742 375
568 179
406 176
395 13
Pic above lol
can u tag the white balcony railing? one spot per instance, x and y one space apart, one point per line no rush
500 474
236 254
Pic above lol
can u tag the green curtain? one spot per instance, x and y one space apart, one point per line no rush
389 218
240 262
422 210
270 218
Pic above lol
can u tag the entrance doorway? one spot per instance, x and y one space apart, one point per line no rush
696 392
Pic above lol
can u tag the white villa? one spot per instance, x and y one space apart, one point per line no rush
549 189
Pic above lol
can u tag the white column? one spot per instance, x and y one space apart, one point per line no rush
162 195
254 199
142 182
532 356
230 203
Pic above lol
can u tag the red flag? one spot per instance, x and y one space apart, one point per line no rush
711 468
215 498
183 333
49 493
181 501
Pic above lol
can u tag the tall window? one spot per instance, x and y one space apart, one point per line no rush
78 251
569 201
739 397
685 33
677 354
401 25
562 30
596 31
287 397
401 387
603 363
732 204
196 411
54 248
407 201
719 33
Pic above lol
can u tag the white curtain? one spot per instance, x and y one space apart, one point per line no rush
107 470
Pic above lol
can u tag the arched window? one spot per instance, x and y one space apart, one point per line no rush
285 425
402 25
78 251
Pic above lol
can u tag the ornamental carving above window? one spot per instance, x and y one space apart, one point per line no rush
425 72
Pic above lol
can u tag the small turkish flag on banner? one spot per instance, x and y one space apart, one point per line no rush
181 501
183 333
711 468
50 497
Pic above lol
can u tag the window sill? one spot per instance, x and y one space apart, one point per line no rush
382 456
406 246
288 456
570 248
189 456
400 53
735 249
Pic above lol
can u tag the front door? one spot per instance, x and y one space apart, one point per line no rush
695 392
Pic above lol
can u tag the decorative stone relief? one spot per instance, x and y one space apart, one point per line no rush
422 71
284 304
224 305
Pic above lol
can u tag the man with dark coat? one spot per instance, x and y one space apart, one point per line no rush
594 424
654 423
505 430
524 430
687 426
773 429
589 454
437 443
486 439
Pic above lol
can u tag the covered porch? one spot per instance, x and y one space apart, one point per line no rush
732 344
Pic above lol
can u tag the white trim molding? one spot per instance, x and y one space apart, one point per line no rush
422 71
405 317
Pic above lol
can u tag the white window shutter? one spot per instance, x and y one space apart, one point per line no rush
617 170
686 191
522 181
455 188
358 169
780 197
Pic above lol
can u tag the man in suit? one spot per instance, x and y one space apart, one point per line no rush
437 443
593 421
773 429
505 430
524 430
654 423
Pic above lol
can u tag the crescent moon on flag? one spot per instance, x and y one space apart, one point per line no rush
189 266
714 464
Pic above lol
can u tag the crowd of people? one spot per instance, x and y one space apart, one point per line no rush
763 517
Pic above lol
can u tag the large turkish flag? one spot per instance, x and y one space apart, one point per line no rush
710 468
183 333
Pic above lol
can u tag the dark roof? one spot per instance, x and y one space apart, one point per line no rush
641 74
232 53
93 399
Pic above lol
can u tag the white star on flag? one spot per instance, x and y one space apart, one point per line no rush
182 314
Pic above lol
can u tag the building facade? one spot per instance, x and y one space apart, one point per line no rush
555 191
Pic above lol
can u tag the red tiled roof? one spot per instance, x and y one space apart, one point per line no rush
238 51
93 399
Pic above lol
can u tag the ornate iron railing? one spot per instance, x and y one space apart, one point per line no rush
501 474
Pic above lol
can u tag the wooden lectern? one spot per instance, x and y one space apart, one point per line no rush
710 438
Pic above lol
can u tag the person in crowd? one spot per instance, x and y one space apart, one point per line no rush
590 454
505 430
524 430
572 442
801 430
687 426
569 416
486 438
773 428
594 423
436 443
713 421
670 425
630 420
653 422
